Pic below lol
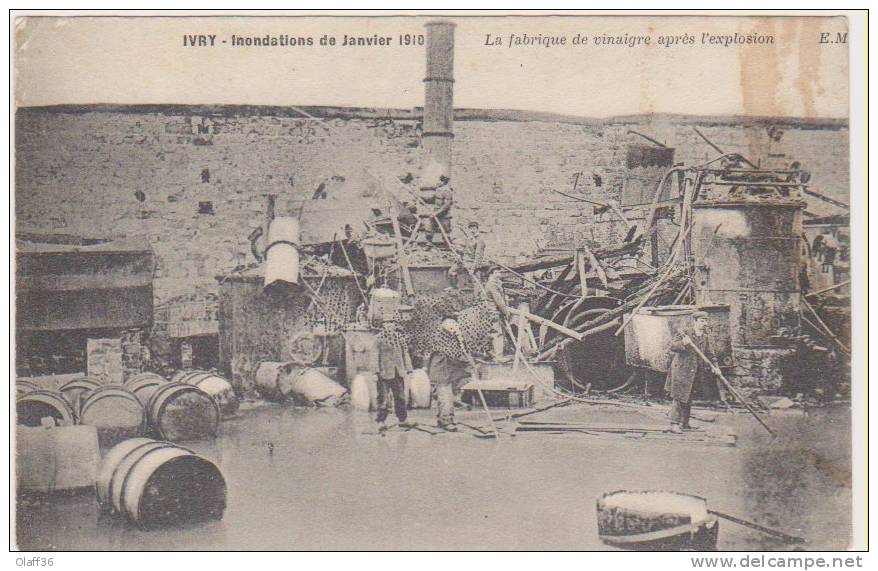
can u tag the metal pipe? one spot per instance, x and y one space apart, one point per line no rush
438 126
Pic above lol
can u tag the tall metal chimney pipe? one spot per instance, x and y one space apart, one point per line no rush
438 126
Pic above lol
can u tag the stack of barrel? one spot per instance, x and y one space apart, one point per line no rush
187 408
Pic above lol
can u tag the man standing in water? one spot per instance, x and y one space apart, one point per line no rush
393 366
688 371
448 365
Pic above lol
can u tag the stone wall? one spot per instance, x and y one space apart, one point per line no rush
193 180
104 359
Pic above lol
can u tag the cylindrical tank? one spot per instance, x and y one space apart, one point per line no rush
178 412
651 330
115 412
32 408
656 520
418 389
282 251
364 392
747 256
283 381
314 385
271 380
217 387
361 352
383 304
156 483
438 128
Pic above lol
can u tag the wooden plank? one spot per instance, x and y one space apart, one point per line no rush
548 323
583 274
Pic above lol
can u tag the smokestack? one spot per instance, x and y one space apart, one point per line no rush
438 126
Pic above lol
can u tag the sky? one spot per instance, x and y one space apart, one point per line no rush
143 60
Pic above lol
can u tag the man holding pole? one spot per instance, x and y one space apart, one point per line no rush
448 365
688 370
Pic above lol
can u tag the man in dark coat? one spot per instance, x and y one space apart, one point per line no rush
393 366
448 365
688 370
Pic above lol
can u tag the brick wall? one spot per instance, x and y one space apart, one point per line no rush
193 180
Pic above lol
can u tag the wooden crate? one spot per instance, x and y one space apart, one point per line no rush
499 393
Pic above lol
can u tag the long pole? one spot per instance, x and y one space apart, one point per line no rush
773 532
826 329
472 363
731 389
830 288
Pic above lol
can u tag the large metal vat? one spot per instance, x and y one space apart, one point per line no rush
652 329
747 255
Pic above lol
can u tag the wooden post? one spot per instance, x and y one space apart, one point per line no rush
592 259
270 201
523 325
580 268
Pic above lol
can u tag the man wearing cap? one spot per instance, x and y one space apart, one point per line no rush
494 302
474 247
393 366
447 366
688 370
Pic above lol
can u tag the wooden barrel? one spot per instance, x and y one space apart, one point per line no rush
271 380
77 390
418 389
36 405
116 413
22 387
180 375
217 387
145 375
313 385
656 520
179 412
144 387
155 483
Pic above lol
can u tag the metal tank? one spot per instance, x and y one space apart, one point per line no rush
747 256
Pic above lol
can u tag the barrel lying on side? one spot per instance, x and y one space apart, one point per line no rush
284 381
179 412
217 387
145 385
77 390
180 375
145 375
34 406
155 483
22 387
116 413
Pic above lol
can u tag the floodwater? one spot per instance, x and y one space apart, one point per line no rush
305 479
